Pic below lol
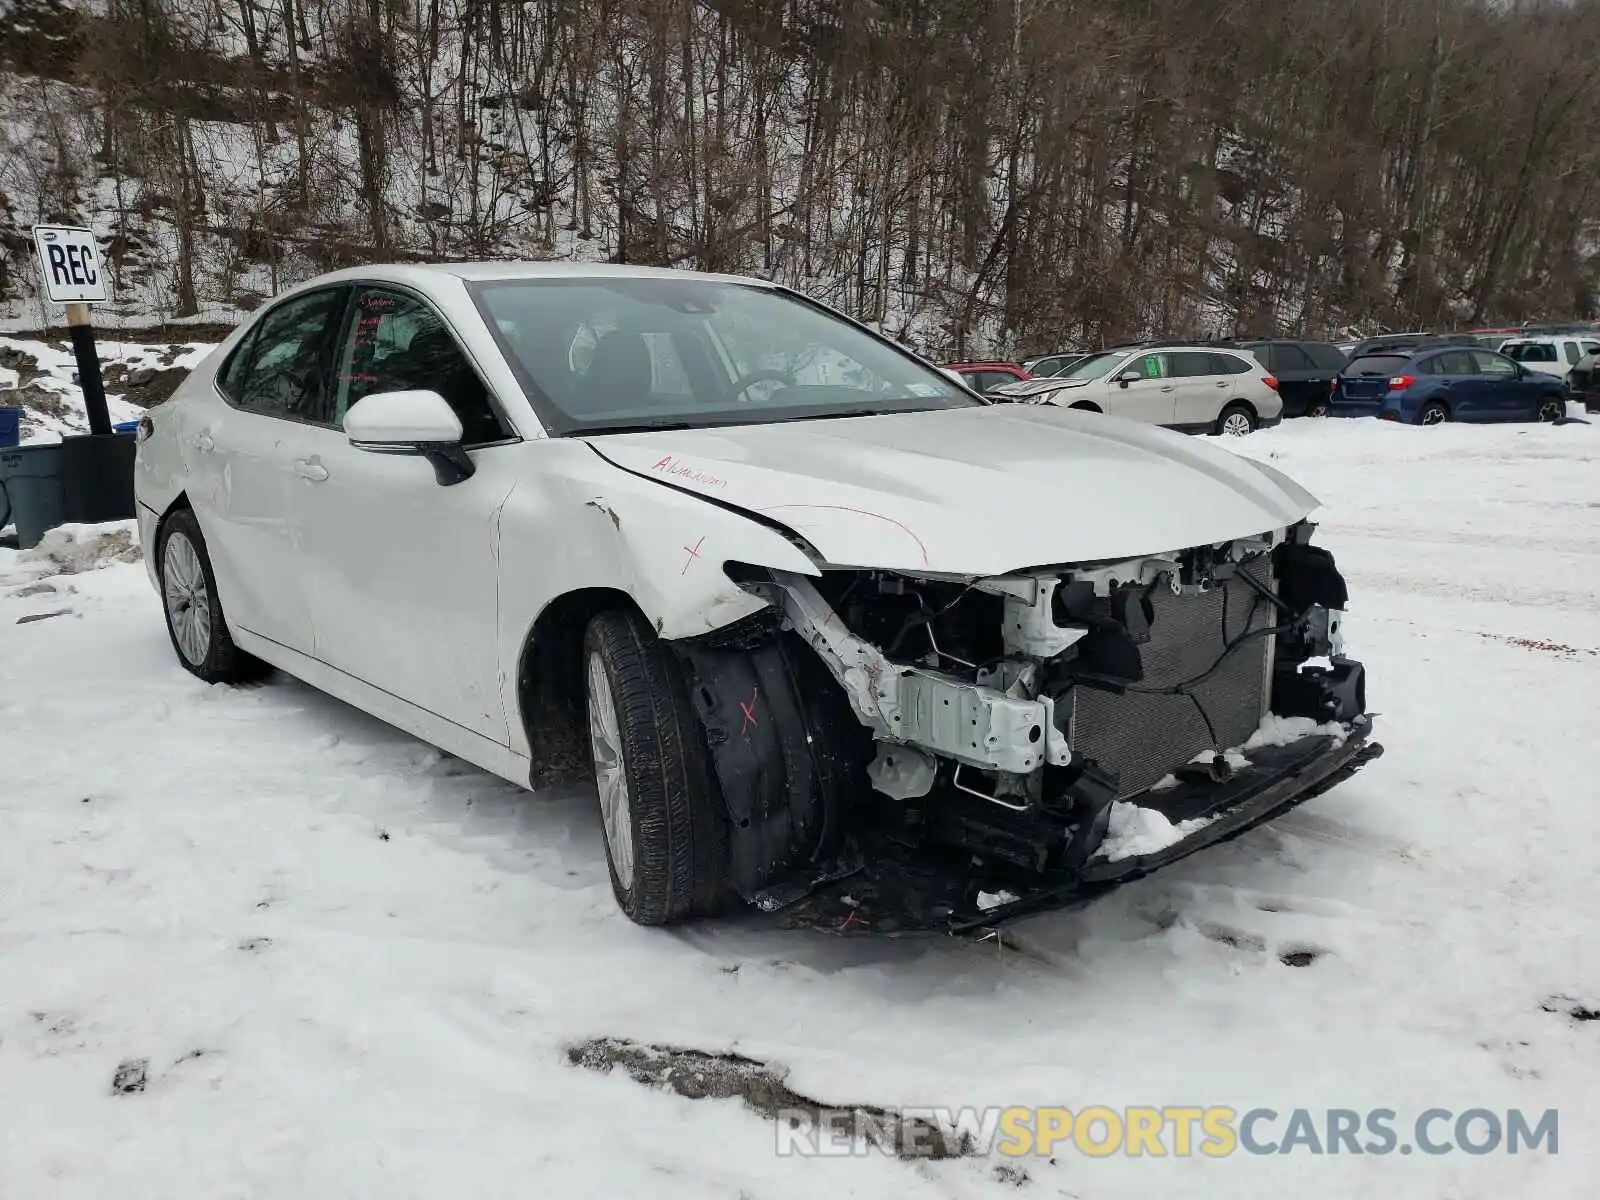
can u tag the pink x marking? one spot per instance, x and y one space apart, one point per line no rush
693 552
749 711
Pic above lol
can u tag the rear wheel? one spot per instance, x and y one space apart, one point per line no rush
1433 413
194 610
1085 406
1236 420
1552 408
666 829
1317 408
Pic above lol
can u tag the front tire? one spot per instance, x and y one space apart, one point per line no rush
1551 409
1236 420
666 829
193 608
1318 408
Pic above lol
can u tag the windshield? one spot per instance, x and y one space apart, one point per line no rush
1529 352
616 354
1094 366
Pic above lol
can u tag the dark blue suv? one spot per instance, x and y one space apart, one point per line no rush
1428 385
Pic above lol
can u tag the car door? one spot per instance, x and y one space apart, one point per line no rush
1142 389
1197 397
1509 391
1469 394
401 573
245 452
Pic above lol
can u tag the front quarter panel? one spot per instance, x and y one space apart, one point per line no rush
576 523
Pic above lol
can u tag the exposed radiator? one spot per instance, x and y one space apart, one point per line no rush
1143 737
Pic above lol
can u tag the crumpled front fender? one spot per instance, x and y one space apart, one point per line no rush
672 549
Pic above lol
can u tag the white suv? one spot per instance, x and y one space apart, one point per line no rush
1195 389
1551 354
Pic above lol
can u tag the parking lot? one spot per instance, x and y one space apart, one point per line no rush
353 966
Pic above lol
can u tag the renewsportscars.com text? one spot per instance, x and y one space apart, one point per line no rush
1178 1131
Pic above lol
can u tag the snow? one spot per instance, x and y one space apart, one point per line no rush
1134 831
353 964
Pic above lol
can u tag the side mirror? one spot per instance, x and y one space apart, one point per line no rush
1128 377
420 423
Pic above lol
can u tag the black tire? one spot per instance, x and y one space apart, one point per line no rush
1551 408
1433 413
1317 408
222 661
1237 408
674 811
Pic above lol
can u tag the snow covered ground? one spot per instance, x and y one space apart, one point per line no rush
353 966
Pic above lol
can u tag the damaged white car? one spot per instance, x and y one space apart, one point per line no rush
830 634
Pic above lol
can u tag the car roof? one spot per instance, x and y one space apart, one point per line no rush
987 364
483 272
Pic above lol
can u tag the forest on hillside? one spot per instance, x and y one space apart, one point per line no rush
974 176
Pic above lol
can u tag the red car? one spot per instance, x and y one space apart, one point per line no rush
981 376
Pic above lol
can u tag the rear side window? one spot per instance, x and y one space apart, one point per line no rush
1492 364
1326 357
1530 352
1570 349
1228 364
1188 364
1266 354
1452 362
1377 364
283 369
1291 358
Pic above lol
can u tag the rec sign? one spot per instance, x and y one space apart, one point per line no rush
69 264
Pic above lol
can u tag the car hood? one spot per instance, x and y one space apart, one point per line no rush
976 491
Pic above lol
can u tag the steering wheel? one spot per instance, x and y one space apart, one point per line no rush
760 375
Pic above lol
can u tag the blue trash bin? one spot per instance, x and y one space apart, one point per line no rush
31 492
10 429
125 427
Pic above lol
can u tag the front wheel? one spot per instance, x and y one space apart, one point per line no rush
1552 408
666 828
1318 408
1433 413
1236 420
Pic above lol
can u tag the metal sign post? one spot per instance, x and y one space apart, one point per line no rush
94 471
69 268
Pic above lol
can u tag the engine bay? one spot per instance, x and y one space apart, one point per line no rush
1004 719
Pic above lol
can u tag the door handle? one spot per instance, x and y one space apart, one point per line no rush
310 469
204 442
1167 388
1221 383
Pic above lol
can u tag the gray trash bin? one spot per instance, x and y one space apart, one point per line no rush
30 487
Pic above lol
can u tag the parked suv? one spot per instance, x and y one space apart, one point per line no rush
1434 384
1305 371
1552 354
1196 389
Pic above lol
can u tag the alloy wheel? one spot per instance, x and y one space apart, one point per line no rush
1236 424
188 600
605 741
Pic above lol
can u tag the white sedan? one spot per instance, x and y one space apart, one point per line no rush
830 634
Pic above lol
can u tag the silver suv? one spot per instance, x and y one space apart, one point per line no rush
1190 388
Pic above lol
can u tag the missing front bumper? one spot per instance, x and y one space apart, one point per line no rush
890 888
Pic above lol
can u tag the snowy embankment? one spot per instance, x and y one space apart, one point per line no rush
41 378
346 965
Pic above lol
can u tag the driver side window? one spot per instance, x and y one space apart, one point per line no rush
396 343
